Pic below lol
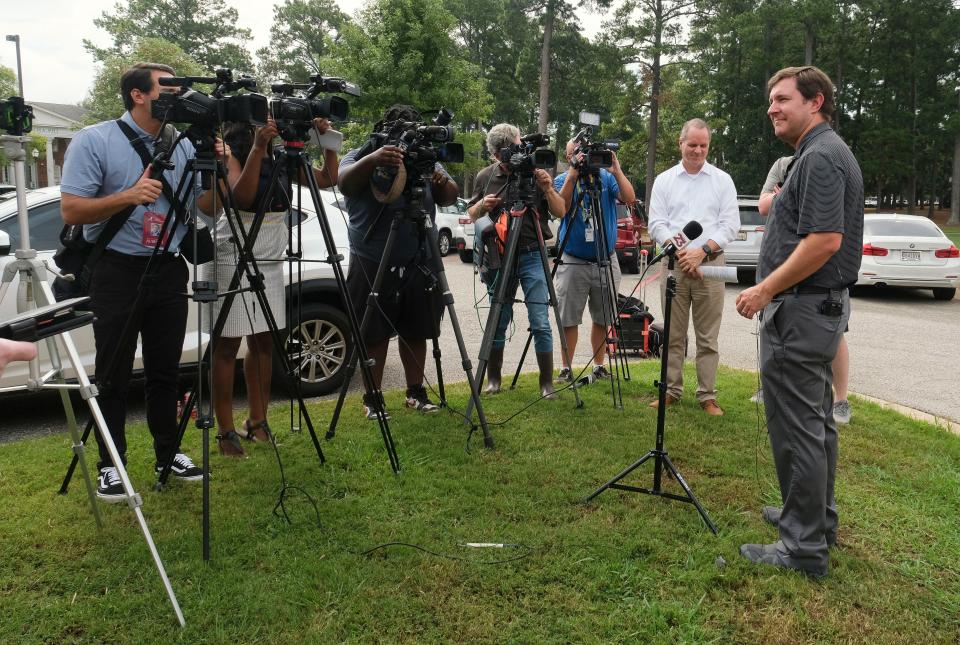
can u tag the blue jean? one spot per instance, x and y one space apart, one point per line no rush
536 296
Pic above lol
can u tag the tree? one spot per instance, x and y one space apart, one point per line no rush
104 100
303 36
8 82
205 29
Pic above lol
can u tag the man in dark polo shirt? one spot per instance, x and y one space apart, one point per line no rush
489 199
406 306
809 258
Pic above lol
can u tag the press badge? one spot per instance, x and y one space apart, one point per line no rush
152 225
588 232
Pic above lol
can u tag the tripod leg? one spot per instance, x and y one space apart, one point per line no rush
626 471
350 370
77 447
693 498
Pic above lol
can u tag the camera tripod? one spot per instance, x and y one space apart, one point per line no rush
659 455
34 291
588 202
507 281
415 193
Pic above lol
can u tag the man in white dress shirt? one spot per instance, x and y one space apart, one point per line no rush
695 190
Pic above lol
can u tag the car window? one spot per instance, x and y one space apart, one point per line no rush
750 216
906 228
45 225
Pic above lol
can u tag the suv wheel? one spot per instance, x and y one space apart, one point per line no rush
466 256
326 344
944 293
445 242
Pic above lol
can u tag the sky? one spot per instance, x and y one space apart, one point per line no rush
56 67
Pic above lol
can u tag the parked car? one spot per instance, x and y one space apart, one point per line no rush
323 332
447 220
908 251
744 251
630 236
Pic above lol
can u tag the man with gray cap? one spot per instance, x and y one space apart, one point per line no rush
809 258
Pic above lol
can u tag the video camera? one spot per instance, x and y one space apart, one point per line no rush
208 111
422 145
529 154
294 115
16 117
596 154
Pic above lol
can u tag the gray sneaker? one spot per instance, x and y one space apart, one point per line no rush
841 412
757 396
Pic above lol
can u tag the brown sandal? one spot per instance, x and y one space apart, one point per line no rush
258 432
228 443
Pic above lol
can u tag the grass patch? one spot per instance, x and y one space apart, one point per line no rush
627 568
953 232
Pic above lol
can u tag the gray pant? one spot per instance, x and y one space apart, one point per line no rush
797 346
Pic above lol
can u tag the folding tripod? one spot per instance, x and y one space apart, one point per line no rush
34 291
659 455
521 207
415 193
588 202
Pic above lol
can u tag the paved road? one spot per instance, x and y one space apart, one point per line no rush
903 348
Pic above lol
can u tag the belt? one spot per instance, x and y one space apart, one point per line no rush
804 289
529 248
140 259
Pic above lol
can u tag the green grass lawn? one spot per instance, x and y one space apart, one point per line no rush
626 568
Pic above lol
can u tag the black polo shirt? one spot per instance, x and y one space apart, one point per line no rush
492 181
823 193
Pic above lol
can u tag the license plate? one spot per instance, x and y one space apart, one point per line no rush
910 256
742 236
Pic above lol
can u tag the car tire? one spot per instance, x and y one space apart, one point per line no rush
445 242
466 255
944 293
324 362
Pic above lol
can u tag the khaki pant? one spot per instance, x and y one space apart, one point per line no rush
705 299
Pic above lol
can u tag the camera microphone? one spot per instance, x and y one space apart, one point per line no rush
720 274
691 231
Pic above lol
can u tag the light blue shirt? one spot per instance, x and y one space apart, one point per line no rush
578 245
709 197
101 161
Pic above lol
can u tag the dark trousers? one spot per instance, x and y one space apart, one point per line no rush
797 347
161 323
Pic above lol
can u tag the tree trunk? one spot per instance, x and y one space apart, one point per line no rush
545 68
652 138
809 38
955 185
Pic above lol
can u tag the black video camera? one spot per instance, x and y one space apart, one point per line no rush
529 154
294 115
16 117
596 154
210 110
422 145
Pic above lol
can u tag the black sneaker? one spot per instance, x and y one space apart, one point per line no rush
417 399
109 488
370 409
564 376
182 468
599 372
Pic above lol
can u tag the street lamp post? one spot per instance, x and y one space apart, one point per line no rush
15 38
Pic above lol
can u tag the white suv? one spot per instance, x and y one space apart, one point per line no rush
324 321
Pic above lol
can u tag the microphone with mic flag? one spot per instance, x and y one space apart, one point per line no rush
691 231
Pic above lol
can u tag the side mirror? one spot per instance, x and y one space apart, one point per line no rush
4 243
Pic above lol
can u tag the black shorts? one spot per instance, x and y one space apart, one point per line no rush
408 306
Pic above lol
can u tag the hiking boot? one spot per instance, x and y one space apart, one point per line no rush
182 468
564 376
370 408
769 554
109 487
841 412
417 400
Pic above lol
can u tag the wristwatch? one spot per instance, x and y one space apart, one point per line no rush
706 249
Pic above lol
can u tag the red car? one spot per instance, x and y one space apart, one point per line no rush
631 236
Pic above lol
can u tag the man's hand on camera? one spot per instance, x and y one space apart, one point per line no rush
388 156
146 190
615 167
489 204
321 124
265 135
575 162
543 180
